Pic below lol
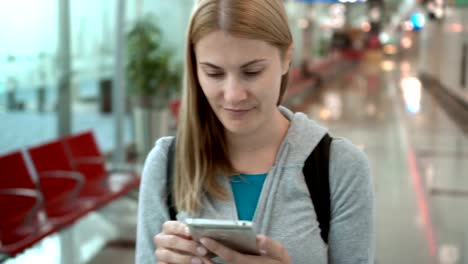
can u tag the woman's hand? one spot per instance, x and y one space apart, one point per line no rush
174 245
271 251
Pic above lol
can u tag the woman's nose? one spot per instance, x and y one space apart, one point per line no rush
234 91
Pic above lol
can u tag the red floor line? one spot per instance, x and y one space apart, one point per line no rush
422 203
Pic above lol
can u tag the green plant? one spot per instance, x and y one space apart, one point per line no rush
149 70
175 79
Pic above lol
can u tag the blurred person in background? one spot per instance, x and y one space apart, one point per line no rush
235 140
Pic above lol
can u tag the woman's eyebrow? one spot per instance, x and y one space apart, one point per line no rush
243 66
252 62
210 65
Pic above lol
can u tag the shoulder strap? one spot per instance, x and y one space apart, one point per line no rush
170 165
317 179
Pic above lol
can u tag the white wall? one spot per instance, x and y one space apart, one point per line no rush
441 51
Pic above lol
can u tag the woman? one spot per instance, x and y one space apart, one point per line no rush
231 127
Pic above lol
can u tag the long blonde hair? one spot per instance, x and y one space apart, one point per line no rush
201 149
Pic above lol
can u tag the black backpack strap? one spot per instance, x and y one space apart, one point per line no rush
316 176
170 165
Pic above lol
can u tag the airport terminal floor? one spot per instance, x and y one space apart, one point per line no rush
418 156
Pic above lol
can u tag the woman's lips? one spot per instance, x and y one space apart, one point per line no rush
237 113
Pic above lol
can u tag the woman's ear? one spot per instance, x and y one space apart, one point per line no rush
288 59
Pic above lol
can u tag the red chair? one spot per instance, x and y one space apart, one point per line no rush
88 159
18 206
21 205
19 209
85 156
174 107
60 183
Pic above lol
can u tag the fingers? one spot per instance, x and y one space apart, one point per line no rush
273 249
226 254
272 252
174 245
176 228
176 235
164 255
207 260
179 244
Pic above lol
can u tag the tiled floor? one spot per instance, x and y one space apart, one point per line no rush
419 160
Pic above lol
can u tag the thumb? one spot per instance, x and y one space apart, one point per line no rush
269 247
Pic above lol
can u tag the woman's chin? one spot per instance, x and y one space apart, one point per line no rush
238 127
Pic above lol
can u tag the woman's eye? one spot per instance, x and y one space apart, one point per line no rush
215 74
252 73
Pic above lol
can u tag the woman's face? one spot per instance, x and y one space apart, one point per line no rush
241 79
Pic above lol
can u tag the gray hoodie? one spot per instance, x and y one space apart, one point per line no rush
285 211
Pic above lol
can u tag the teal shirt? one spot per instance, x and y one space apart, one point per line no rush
246 189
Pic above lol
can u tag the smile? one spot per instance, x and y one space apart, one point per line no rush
238 112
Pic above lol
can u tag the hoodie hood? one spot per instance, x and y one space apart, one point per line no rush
302 137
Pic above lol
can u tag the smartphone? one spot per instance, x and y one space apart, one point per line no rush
237 235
